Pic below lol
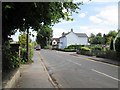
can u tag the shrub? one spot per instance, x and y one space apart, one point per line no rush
10 59
85 51
96 47
109 55
111 45
69 50
30 51
23 55
75 46
117 44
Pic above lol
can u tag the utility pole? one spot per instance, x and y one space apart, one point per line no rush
27 44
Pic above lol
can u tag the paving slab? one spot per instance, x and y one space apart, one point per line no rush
33 75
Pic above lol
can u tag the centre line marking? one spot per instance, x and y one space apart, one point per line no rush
105 74
74 62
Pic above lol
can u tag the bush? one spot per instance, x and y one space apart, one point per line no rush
46 47
96 47
69 50
117 44
85 51
109 55
31 51
10 59
23 53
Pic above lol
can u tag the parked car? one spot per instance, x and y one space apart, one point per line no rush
38 47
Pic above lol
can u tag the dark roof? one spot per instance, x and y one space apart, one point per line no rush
64 34
81 34
56 39
78 34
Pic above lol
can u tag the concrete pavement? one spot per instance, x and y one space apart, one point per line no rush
34 75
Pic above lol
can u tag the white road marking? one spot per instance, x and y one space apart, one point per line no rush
74 62
105 74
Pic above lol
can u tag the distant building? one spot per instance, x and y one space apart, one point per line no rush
72 38
55 42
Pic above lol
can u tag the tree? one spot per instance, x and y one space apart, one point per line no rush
31 14
22 40
117 45
111 45
44 36
96 39
26 15
111 35
99 34
104 39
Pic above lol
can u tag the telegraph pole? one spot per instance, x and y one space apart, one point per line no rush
27 44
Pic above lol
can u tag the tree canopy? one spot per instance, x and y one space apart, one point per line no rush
105 39
23 15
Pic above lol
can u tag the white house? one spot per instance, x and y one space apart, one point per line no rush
72 38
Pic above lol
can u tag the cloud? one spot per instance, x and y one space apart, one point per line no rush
95 19
104 0
15 37
107 15
94 29
82 15
57 32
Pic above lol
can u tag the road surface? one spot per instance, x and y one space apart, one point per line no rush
78 71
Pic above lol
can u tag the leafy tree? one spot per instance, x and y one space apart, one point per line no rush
117 44
111 35
99 34
43 36
22 40
111 45
104 39
34 15
23 15
96 39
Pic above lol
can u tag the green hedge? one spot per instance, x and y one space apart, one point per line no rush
10 60
23 53
109 55
69 50
75 46
117 44
85 51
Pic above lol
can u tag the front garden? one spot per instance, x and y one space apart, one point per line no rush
98 50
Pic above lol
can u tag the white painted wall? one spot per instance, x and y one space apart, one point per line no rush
72 39
54 42
83 40
63 42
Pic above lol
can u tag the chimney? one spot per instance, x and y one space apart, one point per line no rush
63 33
71 30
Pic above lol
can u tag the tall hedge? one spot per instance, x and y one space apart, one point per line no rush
117 44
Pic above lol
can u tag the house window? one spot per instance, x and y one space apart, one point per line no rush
53 42
61 42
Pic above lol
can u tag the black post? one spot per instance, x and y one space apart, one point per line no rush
27 43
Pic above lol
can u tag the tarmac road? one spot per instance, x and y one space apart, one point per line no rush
79 71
